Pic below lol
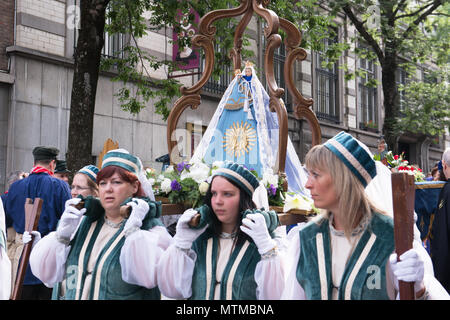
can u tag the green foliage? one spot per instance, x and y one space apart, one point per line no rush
428 110
388 26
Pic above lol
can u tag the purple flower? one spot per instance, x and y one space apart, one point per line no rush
272 190
182 165
175 185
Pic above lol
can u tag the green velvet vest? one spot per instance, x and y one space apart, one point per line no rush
238 279
364 276
107 283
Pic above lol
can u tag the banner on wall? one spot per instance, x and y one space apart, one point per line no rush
186 58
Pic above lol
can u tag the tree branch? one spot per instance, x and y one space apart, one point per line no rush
421 18
412 14
401 5
359 25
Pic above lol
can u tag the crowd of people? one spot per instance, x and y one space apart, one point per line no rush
102 236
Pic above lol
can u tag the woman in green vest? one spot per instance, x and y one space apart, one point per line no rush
85 182
99 251
347 252
232 254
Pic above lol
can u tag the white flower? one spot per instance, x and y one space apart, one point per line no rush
297 202
152 181
270 178
160 178
203 187
217 164
165 185
198 172
169 169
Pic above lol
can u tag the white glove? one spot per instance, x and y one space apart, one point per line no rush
26 237
138 213
410 268
185 235
70 219
255 226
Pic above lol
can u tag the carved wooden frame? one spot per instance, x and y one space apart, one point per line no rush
204 39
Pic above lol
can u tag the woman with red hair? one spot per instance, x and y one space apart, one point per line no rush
99 251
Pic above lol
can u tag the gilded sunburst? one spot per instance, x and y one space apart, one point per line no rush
239 139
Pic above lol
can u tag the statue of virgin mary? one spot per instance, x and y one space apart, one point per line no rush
244 130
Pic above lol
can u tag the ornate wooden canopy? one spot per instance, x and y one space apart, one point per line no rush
205 38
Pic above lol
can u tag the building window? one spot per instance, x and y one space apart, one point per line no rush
114 44
367 96
279 57
220 85
401 77
326 87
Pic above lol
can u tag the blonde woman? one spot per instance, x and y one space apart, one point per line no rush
347 252
84 182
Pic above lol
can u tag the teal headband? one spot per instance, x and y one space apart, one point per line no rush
240 175
355 157
123 159
91 171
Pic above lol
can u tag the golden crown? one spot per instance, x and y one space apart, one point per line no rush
249 64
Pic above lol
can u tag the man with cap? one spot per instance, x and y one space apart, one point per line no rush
54 193
61 171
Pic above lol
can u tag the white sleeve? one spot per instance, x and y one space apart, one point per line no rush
269 272
292 289
48 259
140 255
175 271
5 274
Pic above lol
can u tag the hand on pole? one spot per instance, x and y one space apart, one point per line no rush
410 268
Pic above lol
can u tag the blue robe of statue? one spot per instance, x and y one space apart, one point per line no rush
244 130
235 137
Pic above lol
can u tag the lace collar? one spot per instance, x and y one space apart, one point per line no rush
358 230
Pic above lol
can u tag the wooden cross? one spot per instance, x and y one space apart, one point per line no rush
403 194
32 214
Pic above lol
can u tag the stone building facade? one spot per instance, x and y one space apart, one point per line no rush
36 71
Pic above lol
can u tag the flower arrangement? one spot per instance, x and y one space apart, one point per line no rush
182 183
297 201
187 183
371 124
399 164
274 186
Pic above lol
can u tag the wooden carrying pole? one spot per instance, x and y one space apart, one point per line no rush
32 214
403 194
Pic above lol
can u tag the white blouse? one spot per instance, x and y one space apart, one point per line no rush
139 256
341 251
5 263
176 268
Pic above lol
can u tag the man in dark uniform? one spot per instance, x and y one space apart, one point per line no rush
54 193
61 171
440 232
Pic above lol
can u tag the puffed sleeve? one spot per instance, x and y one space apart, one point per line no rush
175 271
5 275
5 263
48 259
141 254
292 289
269 272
